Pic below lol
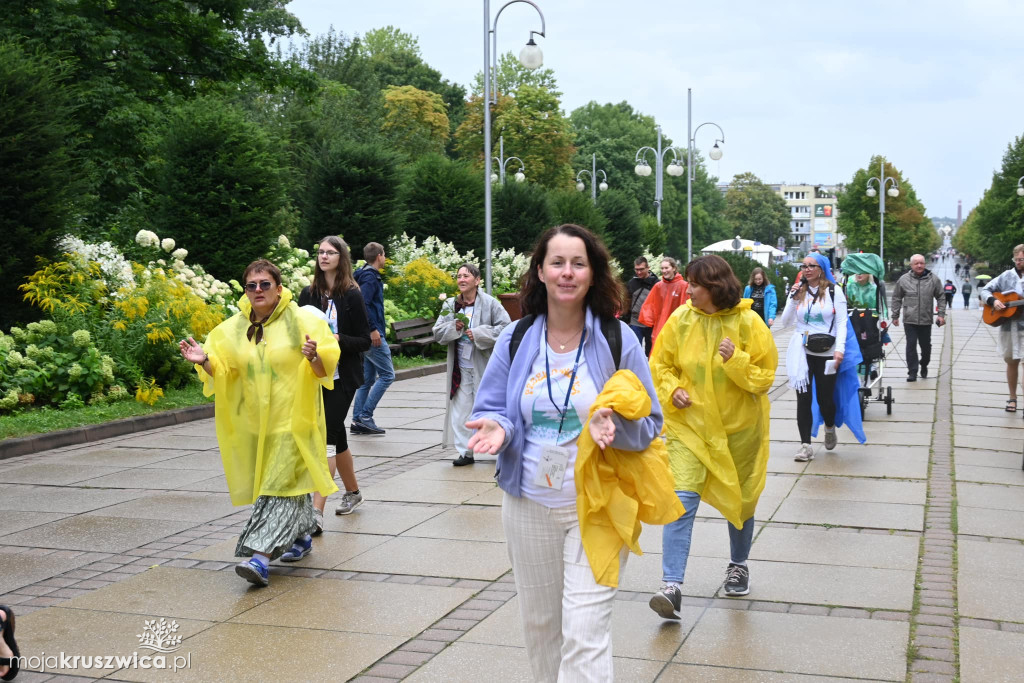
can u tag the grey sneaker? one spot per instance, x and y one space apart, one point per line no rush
667 602
349 502
805 454
830 438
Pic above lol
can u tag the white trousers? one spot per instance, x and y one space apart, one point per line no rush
462 408
566 615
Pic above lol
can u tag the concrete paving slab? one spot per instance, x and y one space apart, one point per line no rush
830 646
986 458
411 436
835 547
169 440
434 557
90 633
392 448
860 489
968 441
379 518
643 574
821 584
1012 476
463 524
150 478
411 490
319 604
14 520
870 461
464 662
493 496
987 655
329 550
228 650
214 484
716 674
63 499
203 460
443 470
990 496
21 569
117 457
95 533
50 475
983 522
850 513
184 593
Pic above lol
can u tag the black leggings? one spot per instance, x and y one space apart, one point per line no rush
825 386
336 404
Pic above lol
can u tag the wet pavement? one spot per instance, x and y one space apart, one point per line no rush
893 560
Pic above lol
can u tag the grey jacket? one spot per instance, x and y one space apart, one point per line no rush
488 321
913 295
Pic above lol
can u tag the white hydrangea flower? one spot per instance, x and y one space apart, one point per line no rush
283 241
180 254
146 238
167 244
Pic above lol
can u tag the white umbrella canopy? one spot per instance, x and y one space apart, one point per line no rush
727 245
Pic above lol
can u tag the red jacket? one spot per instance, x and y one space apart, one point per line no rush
664 298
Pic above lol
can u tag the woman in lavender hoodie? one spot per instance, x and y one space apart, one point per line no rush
530 412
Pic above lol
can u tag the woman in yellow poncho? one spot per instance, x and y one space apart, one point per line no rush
265 365
713 365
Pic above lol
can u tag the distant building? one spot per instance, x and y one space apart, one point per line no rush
812 216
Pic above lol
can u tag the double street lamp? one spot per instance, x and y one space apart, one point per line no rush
893 191
715 153
530 57
520 175
1020 186
594 187
643 169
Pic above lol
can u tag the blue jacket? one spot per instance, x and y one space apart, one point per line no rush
501 388
372 285
771 301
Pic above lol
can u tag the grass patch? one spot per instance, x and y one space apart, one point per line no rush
405 362
42 420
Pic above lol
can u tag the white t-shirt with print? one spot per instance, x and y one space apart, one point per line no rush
542 419
332 320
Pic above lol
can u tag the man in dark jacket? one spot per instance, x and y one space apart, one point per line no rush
639 287
378 370
912 297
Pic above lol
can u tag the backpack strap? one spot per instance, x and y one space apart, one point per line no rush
609 328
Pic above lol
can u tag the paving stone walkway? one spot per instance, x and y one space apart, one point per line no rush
895 560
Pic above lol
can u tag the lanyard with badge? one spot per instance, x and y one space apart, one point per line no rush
332 320
554 459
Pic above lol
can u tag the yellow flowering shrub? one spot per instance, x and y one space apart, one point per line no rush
416 287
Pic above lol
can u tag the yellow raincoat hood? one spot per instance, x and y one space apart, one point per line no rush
269 413
718 446
616 490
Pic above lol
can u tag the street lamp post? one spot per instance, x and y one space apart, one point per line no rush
643 169
1020 186
594 187
715 154
531 57
893 191
520 175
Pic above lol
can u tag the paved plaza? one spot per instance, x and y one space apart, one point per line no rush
895 560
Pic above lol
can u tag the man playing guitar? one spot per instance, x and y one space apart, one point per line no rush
1011 333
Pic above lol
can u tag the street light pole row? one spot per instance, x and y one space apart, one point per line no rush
643 169
503 164
530 57
594 187
893 191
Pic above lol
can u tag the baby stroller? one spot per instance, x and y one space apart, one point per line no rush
866 305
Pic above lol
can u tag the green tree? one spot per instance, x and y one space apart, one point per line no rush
653 239
623 234
353 190
444 198
907 230
512 75
217 185
414 120
521 212
997 224
754 211
534 130
39 171
570 206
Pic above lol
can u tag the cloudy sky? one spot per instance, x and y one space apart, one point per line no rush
805 91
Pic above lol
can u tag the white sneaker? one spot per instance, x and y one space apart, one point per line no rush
830 438
805 454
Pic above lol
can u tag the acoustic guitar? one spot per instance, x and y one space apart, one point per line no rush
1013 308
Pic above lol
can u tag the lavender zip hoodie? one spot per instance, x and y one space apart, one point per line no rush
501 388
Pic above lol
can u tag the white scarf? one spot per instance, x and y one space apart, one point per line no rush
796 363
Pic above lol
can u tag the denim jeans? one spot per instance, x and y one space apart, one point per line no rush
675 540
378 374
643 335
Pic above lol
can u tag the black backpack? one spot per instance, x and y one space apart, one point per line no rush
610 328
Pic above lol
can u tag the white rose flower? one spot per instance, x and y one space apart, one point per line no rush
167 244
442 296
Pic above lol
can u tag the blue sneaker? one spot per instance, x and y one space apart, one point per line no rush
253 572
369 426
299 550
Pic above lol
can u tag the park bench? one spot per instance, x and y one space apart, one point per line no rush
413 336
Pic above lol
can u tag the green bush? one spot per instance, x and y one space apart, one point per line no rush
444 198
522 211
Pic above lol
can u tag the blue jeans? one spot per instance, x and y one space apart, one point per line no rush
378 374
675 540
643 335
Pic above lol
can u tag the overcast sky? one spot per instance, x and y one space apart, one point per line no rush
805 91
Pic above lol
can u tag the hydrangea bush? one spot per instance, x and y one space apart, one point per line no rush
297 266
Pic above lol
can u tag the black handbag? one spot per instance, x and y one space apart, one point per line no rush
820 343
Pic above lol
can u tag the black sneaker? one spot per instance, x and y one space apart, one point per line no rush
667 602
464 459
924 372
368 425
737 580
911 378
357 428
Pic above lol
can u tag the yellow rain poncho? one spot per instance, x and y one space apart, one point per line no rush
616 490
718 446
269 414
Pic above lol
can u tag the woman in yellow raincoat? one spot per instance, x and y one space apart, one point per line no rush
265 365
713 365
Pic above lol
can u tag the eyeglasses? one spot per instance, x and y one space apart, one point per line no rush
326 253
808 266
262 285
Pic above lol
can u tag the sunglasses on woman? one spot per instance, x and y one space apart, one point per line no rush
262 285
